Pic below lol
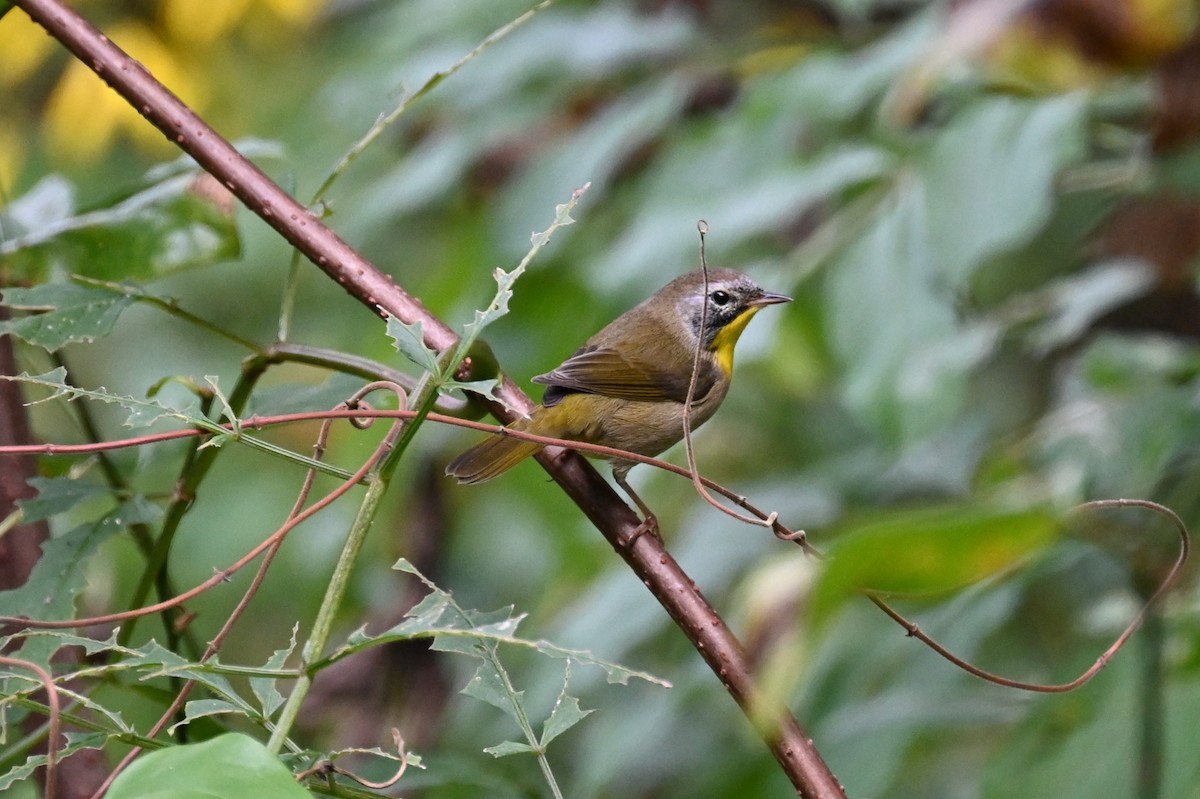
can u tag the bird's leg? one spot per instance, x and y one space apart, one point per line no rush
649 520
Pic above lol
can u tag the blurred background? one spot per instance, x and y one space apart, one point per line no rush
987 212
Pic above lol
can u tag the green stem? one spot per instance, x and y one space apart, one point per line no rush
1153 709
311 655
523 721
323 626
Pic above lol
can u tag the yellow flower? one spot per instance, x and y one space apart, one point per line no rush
23 46
189 21
295 11
12 155
203 23
84 115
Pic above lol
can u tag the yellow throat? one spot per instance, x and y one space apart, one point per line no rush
727 337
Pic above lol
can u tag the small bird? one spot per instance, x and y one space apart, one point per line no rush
626 386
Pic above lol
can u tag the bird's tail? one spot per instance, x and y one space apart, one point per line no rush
491 458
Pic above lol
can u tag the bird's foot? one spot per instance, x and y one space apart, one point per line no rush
649 526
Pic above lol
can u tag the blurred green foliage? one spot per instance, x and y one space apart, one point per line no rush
993 261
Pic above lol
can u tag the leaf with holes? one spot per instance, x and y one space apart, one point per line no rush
62 313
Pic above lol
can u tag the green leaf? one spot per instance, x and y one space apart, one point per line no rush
141 412
70 313
75 742
48 203
499 304
484 388
1079 300
264 687
155 660
498 307
59 495
161 228
410 341
465 631
231 765
509 748
929 550
990 177
565 715
905 352
488 685
59 576
202 708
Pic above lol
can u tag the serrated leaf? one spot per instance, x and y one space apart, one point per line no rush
488 685
55 379
499 304
231 765
85 701
264 687
59 576
226 409
69 313
141 412
59 495
466 631
155 660
485 388
509 748
406 566
565 715
202 708
498 307
75 742
410 341
90 646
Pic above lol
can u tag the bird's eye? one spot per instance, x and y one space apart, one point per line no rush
720 297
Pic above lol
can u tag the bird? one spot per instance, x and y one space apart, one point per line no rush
625 388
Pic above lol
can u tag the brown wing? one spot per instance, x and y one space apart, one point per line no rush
606 372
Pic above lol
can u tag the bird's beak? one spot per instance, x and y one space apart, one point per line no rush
768 298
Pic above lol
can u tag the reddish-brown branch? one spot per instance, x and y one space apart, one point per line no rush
21 547
647 557
1167 583
220 576
781 531
54 721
